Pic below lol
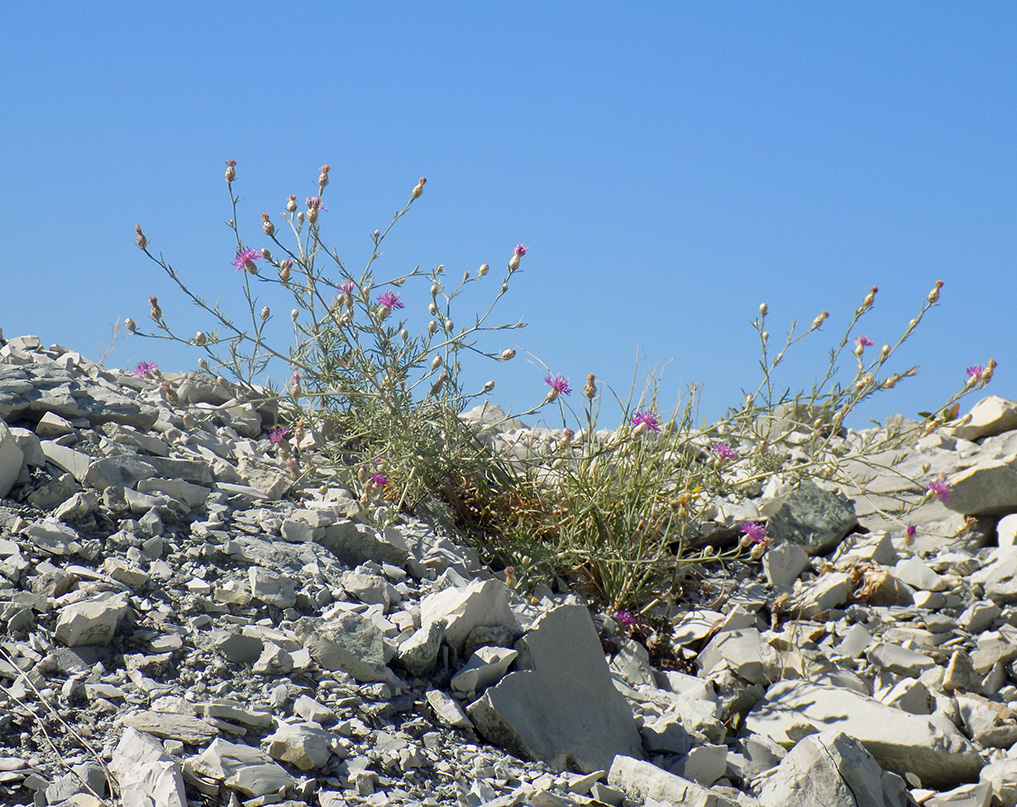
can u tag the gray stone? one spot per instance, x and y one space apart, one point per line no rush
484 668
1001 776
347 642
564 708
990 416
986 489
271 588
782 564
11 460
831 769
812 518
91 622
448 710
252 772
482 602
185 728
641 781
306 747
418 654
933 750
355 544
144 770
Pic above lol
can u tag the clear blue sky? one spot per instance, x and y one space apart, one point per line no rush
669 165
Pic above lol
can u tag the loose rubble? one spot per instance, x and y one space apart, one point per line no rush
185 624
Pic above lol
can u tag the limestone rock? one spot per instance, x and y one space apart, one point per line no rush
641 781
143 769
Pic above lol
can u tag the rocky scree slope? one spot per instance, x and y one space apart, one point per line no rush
182 624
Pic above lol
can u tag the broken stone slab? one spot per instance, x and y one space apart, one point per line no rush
563 707
91 622
481 602
11 460
249 770
831 769
990 416
185 728
742 651
306 747
782 564
448 710
418 654
810 517
933 750
641 781
986 489
484 668
347 642
355 543
144 770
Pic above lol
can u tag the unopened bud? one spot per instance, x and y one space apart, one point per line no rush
294 314
265 313
231 171
818 321
436 362
291 203
507 354
934 294
590 390
466 275
203 364
870 298
200 338
885 351
763 309
432 309
757 551
284 270
448 326
766 337
312 215
130 325
404 334
418 189
488 386
155 312
140 239
266 254
859 349
434 290
990 368
483 270
513 263
377 234
432 327
300 217
323 176
267 225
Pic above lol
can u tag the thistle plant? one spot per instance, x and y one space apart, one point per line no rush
388 400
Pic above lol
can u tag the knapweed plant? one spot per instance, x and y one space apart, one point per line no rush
386 399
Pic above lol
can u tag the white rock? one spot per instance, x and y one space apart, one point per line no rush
144 770
11 460
641 781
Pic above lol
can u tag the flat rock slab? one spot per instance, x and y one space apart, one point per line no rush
933 750
145 771
185 728
564 708
812 518
641 781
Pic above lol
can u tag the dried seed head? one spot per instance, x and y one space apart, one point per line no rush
130 325
294 314
267 225
155 312
448 326
990 368
885 351
404 334
203 364
418 189
870 298
265 254
435 288
140 239
590 390
323 177
436 362
432 309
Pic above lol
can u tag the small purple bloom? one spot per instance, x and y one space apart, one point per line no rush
314 203
379 479
646 418
626 619
520 250
559 383
975 371
724 451
245 258
911 531
940 489
864 341
755 531
144 369
346 287
278 434
389 299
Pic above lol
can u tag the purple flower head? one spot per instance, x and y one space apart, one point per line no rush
559 384
911 532
231 163
646 418
755 531
144 369
724 451
314 203
864 341
626 619
975 371
245 258
940 489
278 434
389 299
346 287
379 479
519 251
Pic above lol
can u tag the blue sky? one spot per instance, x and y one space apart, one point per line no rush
669 165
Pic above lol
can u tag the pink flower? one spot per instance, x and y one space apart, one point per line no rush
245 259
646 418
379 480
278 434
975 371
520 250
724 451
626 619
144 369
389 299
940 489
558 383
346 287
314 203
755 531
864 341
911 532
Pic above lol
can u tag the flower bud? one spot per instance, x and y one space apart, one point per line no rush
323 177
448 326
140 239
265 313
418 189
155 312
434 290
766 337
483 270
203 364
870 298
291 203
436 362
859 349
294 314
284 270
507 354
130 325
267 225
885 351
432 327
404 334
934 294
466 275
265 254
312 215
432 309
200 338
763 309
377 234
300 217
489 386
513 263
231 171
990 368
590 390
757 551
818 321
